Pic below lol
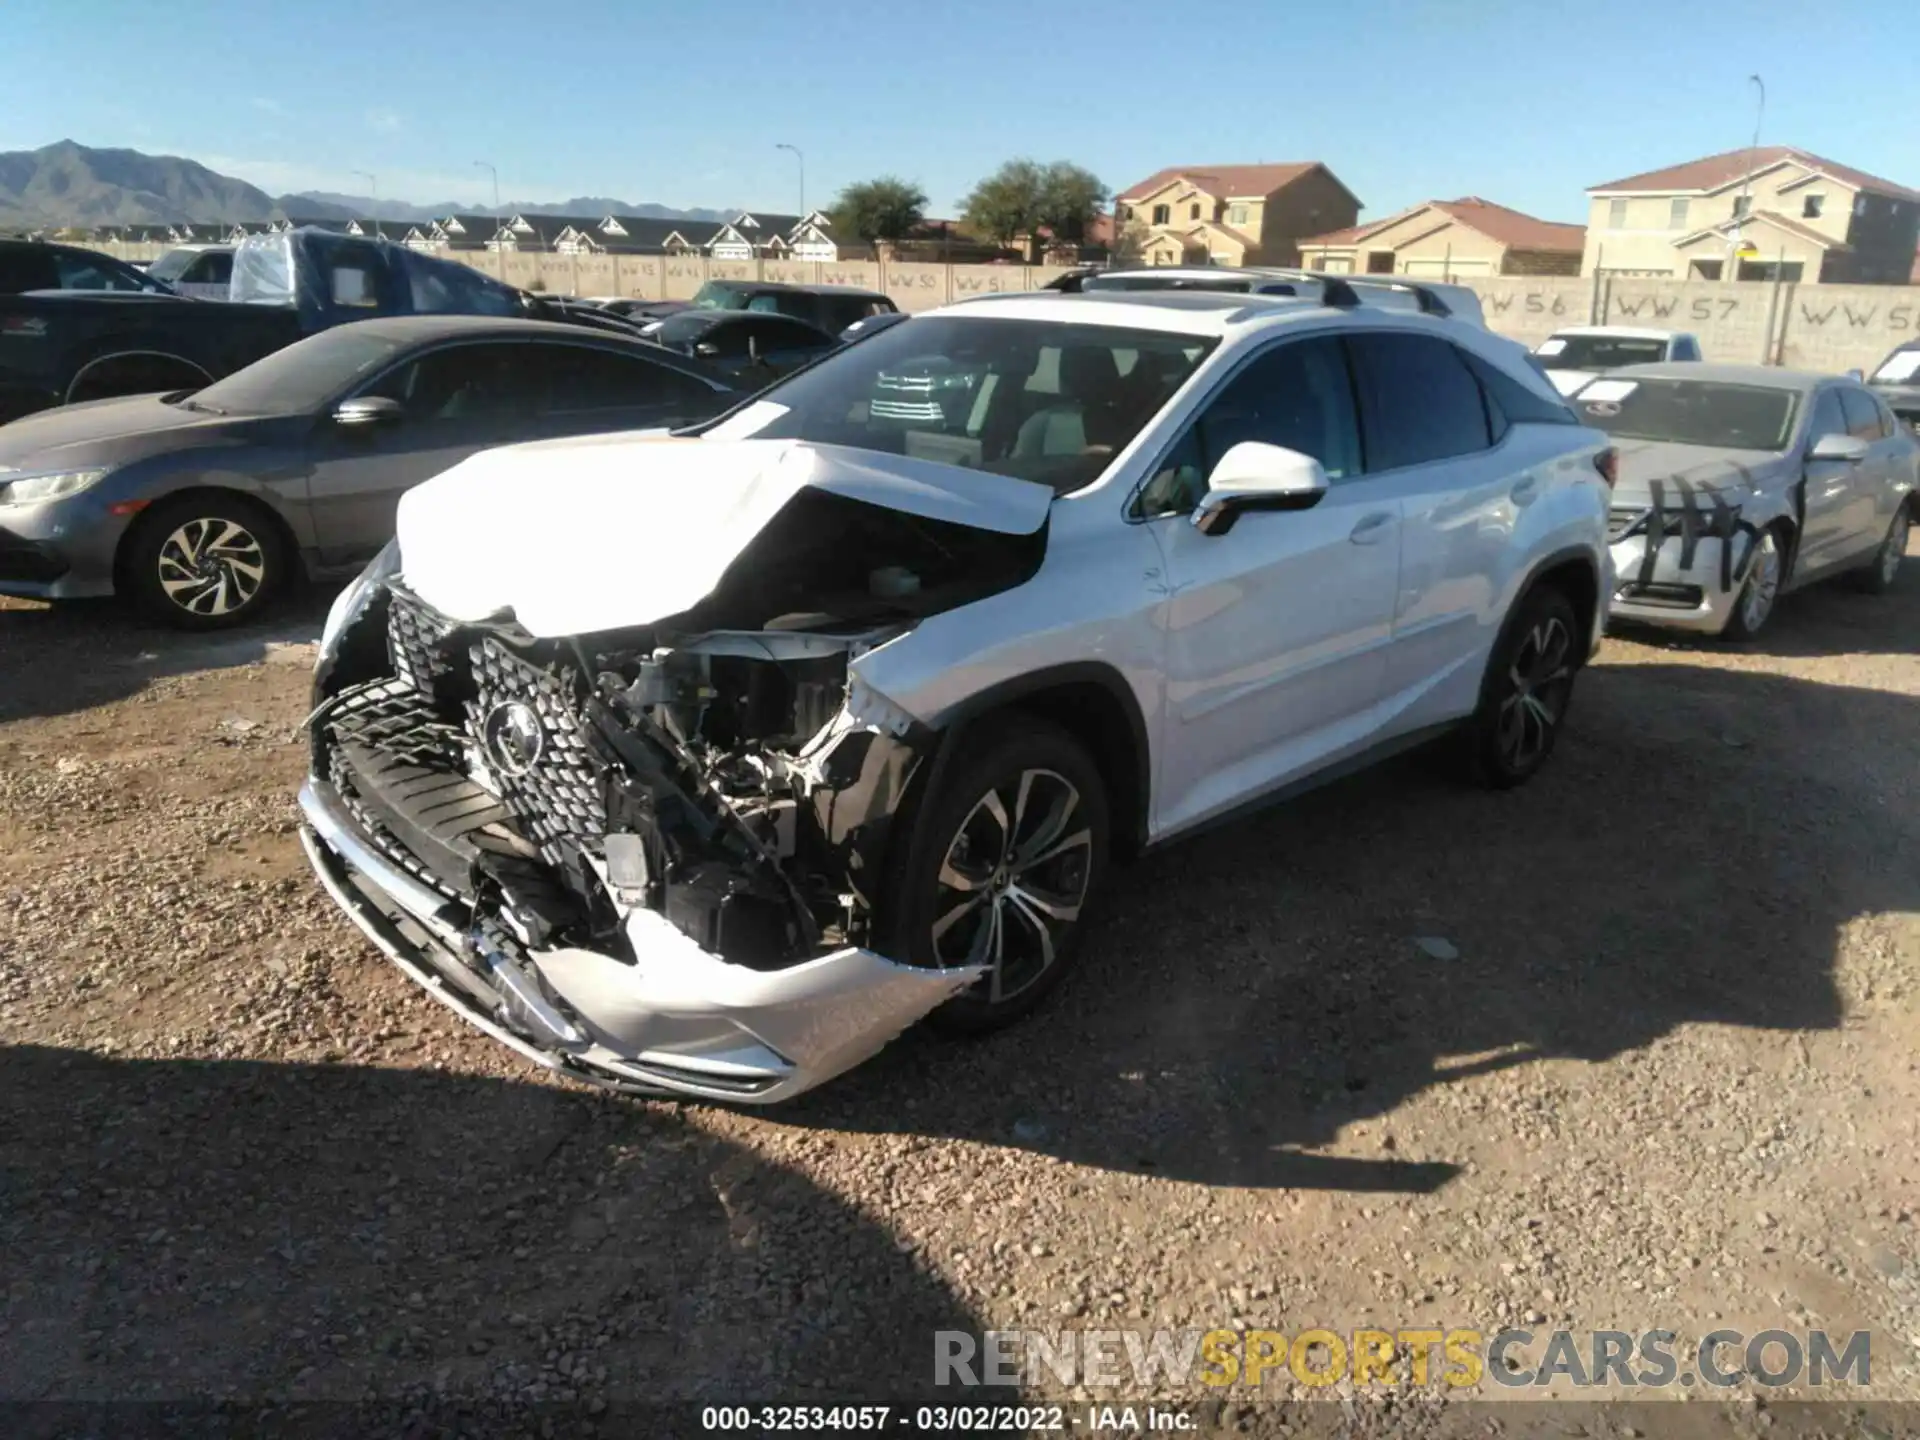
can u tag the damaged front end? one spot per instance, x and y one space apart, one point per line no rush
650 859
653 856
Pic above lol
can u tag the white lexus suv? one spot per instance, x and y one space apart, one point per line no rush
707 763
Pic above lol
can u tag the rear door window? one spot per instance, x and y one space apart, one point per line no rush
1418 400
76 272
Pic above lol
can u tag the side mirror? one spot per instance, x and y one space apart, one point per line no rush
367 410
1257 476
1857 376
707 350
1849 448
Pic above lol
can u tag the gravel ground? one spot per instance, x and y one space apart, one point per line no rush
1633 1047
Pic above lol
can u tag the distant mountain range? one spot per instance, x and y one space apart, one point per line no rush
72 184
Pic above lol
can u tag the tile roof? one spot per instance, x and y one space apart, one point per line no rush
1714 171
1224 181
1512 228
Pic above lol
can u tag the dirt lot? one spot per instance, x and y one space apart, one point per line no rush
1665 1075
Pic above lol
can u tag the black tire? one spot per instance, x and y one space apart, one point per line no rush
175 561
1750 615
1878 578
1526 692
1039 922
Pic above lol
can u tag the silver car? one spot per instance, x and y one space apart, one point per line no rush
1739 483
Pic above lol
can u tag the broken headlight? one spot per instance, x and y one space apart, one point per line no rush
351 601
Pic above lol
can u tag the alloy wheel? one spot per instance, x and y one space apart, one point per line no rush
1896 549
1013 881
1763 584
211 567
1539 681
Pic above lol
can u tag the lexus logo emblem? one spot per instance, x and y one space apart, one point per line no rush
512 738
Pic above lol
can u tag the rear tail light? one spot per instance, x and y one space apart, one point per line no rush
1607 462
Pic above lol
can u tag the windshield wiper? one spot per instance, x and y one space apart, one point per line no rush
201 406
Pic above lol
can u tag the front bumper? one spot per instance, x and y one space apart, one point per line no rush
1693 587
61 550
678 1021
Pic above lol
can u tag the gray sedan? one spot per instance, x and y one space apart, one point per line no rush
1740 483
199 505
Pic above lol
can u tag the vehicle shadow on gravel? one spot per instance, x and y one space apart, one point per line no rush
58 659
1691 855
181 1229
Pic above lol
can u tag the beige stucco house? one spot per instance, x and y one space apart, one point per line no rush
1230 214
1449 240
1773 212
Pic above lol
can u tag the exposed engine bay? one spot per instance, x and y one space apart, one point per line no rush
724 769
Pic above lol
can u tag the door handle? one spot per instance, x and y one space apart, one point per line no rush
1524 490
1372 528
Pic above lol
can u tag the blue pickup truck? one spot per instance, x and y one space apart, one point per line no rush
61 347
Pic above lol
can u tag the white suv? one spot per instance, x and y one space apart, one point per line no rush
707 764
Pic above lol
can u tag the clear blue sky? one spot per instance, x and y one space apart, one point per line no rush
682 102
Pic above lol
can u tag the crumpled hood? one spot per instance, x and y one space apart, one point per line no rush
576 536
1680 470
99 431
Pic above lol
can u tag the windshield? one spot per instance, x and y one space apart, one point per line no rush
1690 412
302 377
172 265
1899 368
1028 398
716 296
678 330
1600 352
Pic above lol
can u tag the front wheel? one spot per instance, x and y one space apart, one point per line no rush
1760 591
1004 862
204 562
1529 684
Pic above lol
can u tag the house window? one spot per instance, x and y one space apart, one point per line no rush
1742 206
1123 212
1617 215
1161 214
1811 207
1860 205
1677 215
1379 262
1193 211
1237 215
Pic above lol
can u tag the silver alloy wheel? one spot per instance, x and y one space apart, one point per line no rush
1763 584
211 567
1539 679
1012 882
1896 547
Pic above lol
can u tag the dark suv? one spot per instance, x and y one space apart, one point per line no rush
827 307
1896 380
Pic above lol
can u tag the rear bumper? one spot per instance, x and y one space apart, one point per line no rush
677 1021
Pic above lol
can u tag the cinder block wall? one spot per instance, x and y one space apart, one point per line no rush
1832 328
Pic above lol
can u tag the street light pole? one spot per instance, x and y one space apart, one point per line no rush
802 159
1744 205
483 165
373 196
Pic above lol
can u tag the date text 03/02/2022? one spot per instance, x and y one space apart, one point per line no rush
947 1419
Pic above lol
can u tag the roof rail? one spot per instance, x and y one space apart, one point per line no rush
1338 290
